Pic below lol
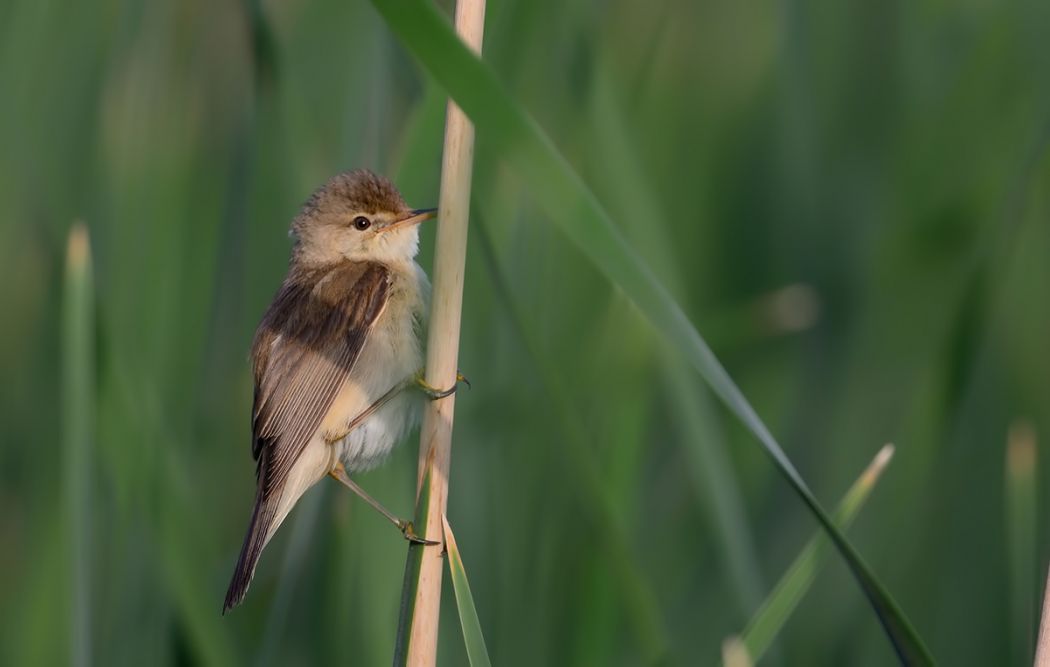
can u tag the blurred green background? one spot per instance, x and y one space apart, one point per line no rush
850 199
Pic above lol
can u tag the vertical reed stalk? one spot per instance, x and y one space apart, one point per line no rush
1021 529
442 352
78 426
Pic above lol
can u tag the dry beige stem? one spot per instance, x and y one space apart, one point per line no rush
1042 649
443 344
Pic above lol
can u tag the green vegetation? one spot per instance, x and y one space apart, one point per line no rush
785 596
849 202
473 638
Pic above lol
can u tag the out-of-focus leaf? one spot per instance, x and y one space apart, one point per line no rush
78 428
1021 529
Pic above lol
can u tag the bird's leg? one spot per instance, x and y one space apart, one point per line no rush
339 474
416 380
433 393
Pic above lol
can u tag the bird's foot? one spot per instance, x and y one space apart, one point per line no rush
409 531
432 392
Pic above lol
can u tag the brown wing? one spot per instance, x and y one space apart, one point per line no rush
304 349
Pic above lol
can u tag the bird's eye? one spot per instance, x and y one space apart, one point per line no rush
361 223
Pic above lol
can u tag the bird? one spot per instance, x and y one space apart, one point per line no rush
335 352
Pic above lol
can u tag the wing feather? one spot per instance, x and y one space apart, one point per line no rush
304 349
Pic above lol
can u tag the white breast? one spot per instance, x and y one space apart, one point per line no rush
392 353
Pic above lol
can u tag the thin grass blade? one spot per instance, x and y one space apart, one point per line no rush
734 653
468 613
413 565
1021 529
514 135
789 591
78 415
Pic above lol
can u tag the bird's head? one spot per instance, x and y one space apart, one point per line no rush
357 215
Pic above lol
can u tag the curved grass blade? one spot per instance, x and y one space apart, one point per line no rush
468 614
789 591
510 132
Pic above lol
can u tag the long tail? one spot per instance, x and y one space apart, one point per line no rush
259 531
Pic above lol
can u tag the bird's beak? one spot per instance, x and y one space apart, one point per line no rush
413 218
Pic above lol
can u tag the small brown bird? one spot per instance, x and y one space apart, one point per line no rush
334 353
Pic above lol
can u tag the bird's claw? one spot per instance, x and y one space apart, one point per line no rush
410 534
462 378
433 392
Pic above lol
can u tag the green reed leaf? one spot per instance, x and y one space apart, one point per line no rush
505 128
468 613
791 588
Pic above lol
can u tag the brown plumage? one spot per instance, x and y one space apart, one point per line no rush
303 351
342 284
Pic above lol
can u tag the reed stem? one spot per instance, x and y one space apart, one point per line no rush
443 349
78 426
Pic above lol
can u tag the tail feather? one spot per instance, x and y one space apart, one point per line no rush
259 531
